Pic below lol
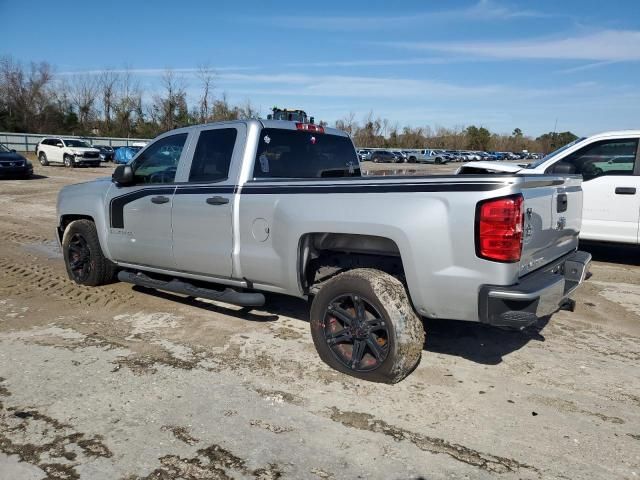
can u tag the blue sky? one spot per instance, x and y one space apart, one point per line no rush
497 63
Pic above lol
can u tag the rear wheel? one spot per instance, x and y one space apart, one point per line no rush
363 324
42 158
83 257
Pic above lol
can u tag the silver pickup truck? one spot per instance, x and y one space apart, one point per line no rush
230 210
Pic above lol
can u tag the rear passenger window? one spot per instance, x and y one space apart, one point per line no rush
212 157
609 157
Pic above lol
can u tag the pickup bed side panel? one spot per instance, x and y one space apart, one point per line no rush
434 232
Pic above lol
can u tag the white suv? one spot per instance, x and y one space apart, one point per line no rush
610 167
69 151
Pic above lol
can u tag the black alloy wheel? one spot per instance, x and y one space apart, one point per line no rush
356 333
79 258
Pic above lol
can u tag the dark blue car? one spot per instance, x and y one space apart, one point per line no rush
13 164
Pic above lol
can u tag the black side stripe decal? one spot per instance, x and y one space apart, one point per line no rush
117 204
371 188
205 190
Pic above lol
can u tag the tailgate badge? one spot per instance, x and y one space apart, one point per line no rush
528 231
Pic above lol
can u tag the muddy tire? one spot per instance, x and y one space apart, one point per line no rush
42 158
83 257
363 324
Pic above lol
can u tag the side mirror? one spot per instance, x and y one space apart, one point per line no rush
123 175
59 145
13 150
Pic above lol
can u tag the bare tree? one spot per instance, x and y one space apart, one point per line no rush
83 91
205 75
347 124
107 83
248 111
222 110
171 107
127 106
24 93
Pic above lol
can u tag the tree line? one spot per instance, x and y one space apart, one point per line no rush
378 132
33 99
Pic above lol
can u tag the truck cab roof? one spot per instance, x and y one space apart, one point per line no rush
262 123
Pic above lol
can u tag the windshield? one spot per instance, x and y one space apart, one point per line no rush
3 148
540 161
76 143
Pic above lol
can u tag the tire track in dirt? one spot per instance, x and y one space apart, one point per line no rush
483 461
45 279
23 238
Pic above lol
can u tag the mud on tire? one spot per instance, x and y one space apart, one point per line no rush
363 325
83 257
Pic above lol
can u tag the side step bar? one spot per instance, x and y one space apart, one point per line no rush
227 295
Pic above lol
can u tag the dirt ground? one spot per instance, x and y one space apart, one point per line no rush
121 383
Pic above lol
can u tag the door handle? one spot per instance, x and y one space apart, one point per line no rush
160 199
625 191
217 200
562 203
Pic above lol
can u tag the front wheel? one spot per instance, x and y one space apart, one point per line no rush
68 161
42 158
363 324
83 257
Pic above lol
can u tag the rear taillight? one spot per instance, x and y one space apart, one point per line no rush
499 229
310 127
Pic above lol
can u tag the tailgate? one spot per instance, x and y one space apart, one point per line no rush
552 219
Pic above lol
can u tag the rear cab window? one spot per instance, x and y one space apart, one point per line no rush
302 154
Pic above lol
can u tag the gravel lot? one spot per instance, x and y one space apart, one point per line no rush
121 383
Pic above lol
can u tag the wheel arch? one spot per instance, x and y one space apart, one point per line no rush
66 219
322 255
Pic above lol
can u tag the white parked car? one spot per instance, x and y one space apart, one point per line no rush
608 163
68 151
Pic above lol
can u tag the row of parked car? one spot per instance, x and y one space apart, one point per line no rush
73 152
438 156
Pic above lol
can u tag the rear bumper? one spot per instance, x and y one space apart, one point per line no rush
537 295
